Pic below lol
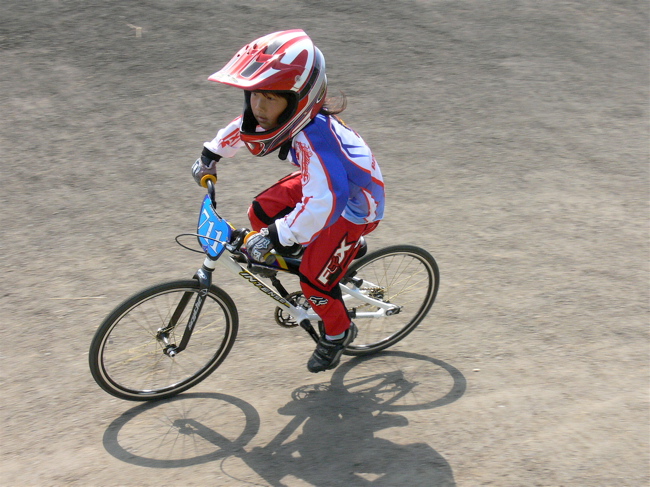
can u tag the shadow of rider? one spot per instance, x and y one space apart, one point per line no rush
337 445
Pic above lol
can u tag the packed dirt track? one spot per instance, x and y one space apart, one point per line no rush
513 140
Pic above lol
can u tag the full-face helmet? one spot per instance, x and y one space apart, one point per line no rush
285 62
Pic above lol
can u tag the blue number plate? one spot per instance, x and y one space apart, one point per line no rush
213 230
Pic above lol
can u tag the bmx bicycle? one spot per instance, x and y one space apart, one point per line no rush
169 337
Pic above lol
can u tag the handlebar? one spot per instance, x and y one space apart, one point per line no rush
209 184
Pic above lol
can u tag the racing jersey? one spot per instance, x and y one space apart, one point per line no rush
340 177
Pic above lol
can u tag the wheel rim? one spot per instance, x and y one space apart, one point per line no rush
401 278
132 353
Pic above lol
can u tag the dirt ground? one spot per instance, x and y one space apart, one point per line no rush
513 138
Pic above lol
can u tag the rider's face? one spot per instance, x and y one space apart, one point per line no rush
267 107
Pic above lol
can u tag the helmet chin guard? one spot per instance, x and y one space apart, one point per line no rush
285 62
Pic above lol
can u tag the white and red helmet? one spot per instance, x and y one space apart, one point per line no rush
287 62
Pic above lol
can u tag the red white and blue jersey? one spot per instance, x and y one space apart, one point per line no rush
340 177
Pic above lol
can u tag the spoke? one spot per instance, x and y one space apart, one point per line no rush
408 277
411 287
401 278
133 356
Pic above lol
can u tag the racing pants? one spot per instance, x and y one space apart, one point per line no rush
325 260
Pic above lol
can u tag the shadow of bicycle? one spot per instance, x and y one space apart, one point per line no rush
331 438
185 430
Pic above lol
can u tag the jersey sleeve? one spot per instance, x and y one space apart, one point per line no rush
325 193
228 141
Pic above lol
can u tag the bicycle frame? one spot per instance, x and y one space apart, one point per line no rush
214 234
169 337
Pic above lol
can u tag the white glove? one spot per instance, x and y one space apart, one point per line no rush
259 245
203 169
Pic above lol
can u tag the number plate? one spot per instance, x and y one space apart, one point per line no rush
213 230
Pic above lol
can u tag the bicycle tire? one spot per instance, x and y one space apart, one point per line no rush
405 275
127 357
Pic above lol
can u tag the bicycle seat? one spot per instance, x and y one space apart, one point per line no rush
363 248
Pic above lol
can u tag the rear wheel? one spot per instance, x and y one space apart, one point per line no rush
133 353
402 275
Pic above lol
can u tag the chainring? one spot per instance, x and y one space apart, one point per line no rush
284 319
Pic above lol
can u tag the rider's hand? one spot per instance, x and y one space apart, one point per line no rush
205 168
294 250
258 246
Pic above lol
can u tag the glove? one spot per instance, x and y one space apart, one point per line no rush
294 250
203 169
258 246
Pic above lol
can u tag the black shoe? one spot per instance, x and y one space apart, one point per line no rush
328 353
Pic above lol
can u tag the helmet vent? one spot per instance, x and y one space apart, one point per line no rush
274 46
250 70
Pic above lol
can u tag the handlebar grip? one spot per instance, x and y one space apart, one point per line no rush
206 178
249 235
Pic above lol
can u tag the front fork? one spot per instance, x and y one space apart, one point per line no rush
204 276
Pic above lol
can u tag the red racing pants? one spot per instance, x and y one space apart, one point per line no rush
326 258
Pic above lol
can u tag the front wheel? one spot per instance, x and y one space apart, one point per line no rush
403 275
134 356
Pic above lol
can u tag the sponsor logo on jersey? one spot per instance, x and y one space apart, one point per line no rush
303 154
231 139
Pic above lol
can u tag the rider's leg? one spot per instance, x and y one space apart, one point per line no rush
275 202
324 263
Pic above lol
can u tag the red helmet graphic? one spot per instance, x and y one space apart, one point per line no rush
287 62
